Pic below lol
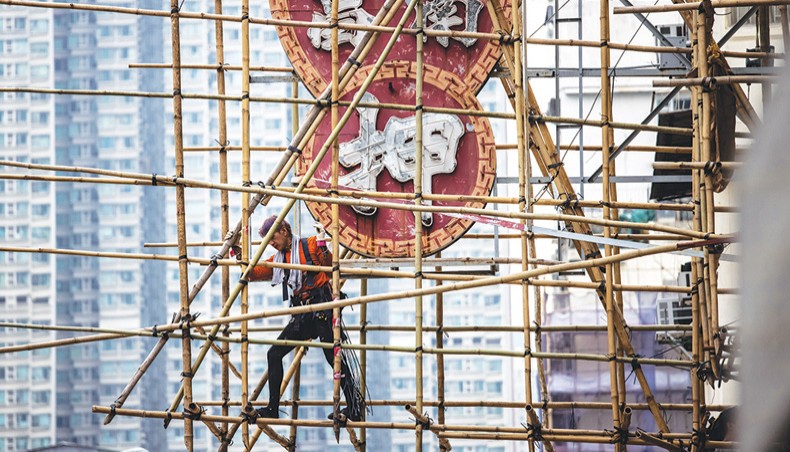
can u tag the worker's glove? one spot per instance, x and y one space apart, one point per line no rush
320 234
235 249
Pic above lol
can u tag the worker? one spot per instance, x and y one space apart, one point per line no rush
302 288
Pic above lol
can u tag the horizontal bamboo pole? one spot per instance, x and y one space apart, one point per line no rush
379 105
544 329
235 148
494 404
216 67
655 441
120 334
691 6
253 20
442 430
633 148
720 80
705 166
167 180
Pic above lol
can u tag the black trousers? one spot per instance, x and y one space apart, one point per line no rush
302 327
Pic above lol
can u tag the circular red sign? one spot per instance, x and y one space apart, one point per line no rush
459 152
309 48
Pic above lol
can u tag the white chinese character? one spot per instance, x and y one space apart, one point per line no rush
442 15
394 148
348 12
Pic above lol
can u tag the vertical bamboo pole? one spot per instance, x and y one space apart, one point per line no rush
223 196
245 202
621 390
336 319
696 327
764 35
183 271
606 147
706 194
418 224
518 80
785 28
439 345
533 252
363 356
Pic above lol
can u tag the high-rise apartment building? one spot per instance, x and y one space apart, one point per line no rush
27 218
47 394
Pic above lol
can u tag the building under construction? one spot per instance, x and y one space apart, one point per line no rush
554 270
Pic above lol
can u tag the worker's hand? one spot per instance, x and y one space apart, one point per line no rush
229 236
320 234
235 249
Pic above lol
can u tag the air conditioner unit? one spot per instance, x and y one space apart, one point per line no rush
676 310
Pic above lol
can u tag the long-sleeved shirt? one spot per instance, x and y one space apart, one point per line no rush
320 256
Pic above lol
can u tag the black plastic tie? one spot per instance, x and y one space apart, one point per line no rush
635 362
153 179
187 374
246 183
176 92
418 107
418 274
333 25
154 332
245 17
243 282
174 10
182 257
354 61
418 349
213 260
527 351
555 165
604 43
294 149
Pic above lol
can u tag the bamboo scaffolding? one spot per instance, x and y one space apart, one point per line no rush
532 135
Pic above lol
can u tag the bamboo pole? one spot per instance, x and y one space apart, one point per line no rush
391 195
335 226
219 38
521 125
606 146
593 262
508 404
418 235
297 195
783 18
711 82
183 271
245 201
440 373
534 426
363 359
220 67
691 6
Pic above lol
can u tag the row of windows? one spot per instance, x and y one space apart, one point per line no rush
23 397
25 373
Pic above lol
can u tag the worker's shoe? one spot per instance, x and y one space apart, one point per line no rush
355 417
268 413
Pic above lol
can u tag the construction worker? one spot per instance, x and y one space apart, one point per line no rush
304 288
